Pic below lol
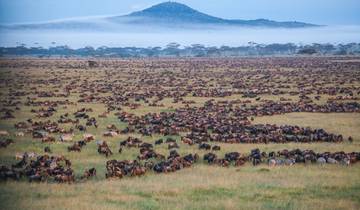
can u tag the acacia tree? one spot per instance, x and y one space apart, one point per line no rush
172 49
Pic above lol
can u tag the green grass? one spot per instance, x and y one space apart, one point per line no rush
298 187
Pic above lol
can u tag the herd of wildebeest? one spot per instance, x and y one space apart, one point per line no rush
210 102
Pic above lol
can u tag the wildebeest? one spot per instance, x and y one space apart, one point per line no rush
40 168
110 134
77 146
205 146
6 142
255 156
232 156
89 173
216 148
210 157
88 137
48 139
47 149
103 148
159 141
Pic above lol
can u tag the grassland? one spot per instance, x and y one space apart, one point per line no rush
198 187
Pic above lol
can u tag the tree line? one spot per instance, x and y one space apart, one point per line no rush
195 50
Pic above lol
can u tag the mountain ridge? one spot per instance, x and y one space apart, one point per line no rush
166 14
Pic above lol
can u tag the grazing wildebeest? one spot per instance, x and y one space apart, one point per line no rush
75 147
232 156
88 137
159 141
255 156
47 149
350 139
48 139
210 157
6 142
103 148
41 168
89 173
170 140
205 146
216 148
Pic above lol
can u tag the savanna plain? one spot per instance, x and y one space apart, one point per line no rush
149 114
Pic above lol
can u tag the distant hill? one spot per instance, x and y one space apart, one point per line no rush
161 15
176 13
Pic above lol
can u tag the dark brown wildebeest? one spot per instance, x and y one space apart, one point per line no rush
103 148
89 173
75 147
47 149
48 139
6 142
205 146
232 156
159 141
210 157
216 148
67 176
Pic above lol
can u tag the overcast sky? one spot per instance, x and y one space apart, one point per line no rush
331 12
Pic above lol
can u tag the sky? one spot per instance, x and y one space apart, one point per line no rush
329 12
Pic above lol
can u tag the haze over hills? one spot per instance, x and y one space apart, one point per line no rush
163 15
170 22
172 12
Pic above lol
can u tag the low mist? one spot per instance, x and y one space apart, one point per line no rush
150 37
